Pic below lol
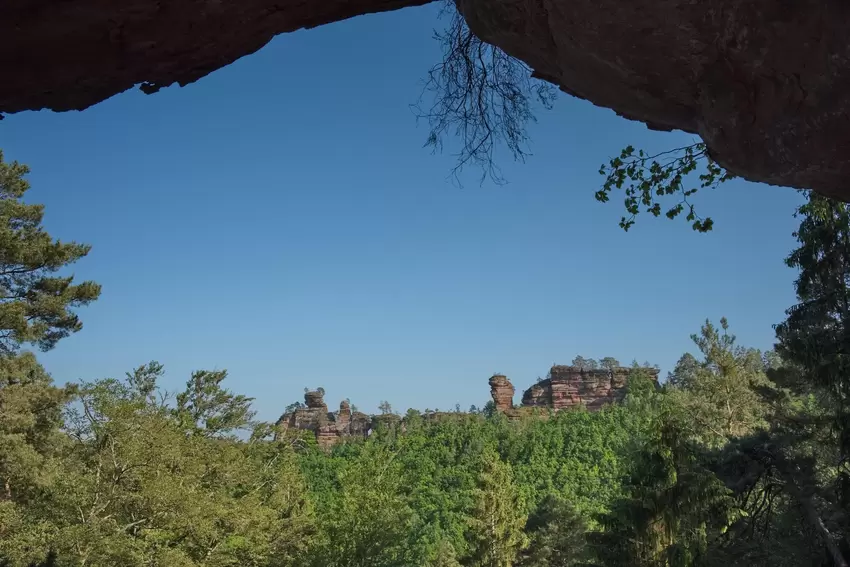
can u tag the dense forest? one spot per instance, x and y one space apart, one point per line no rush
738 458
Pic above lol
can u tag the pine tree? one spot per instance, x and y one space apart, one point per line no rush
684 371
211 410
35 305
443 555
557 535
498 520
585 363
719 395
815 337
816 334
674 508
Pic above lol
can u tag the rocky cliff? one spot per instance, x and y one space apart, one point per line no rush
764 83
570 386
566 387
328 427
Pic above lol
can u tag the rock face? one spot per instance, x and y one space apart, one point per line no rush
567 387
71 55
329 428
570 386
765 83
502 392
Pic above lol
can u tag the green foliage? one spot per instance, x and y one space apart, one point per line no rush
498 518
675 506
30 456
366 522
132 485
734 462
647 178
208 409
585 363
132 477
442 555
36 306
30 416
814 341
557 536
684 371
720 396
816 334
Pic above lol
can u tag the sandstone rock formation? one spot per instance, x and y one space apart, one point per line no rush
502 392
71 55
329 428
570 386
567 387
766 84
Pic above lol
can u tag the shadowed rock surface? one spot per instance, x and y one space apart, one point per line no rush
765 83
71 55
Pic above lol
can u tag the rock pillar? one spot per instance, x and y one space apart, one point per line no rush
502 392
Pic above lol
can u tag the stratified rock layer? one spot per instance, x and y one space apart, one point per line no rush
502 392
312 417
570 386
329 428
765 83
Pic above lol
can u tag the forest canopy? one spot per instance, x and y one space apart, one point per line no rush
713 467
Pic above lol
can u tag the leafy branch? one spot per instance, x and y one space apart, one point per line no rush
649 178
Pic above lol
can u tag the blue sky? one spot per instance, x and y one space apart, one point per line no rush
281 219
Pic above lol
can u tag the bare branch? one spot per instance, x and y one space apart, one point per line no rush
481 95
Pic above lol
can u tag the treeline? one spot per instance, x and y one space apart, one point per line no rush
725 465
